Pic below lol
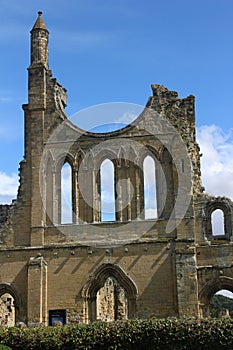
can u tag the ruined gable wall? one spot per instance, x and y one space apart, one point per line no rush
181 114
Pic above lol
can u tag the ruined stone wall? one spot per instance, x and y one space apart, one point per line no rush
168 266
6 229
181 114
7 311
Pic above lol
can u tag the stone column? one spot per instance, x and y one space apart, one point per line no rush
186 274
118 191
75 204
37 291
96 195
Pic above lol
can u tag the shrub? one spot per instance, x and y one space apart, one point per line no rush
4 347
161 334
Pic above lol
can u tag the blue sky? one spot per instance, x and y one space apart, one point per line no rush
112 51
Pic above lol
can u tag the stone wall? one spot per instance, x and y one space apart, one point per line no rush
6 229
132 267
7 311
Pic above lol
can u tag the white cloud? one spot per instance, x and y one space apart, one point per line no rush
127 117
217 160
8 187
225 293
81 40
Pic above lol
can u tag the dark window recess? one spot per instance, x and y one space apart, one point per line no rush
57 317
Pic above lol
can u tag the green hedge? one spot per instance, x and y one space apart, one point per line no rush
3 347
173 334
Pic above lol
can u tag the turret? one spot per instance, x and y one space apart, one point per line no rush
43 112
39 43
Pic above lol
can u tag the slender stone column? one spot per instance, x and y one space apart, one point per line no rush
75 204
37 291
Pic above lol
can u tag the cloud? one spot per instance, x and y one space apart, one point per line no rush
8 187
127 117
217 161
78 40
9 96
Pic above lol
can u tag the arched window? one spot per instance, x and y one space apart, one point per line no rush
150 197
217 221
107 191
66 194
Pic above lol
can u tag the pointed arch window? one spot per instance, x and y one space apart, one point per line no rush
66 194
107 191
150 196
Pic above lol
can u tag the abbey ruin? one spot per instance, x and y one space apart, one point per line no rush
92 269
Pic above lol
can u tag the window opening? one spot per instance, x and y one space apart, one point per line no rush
217 220
66 194
107 188
150 197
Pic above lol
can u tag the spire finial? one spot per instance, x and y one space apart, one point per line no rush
39 22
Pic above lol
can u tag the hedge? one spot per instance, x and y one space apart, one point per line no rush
3 347
161 334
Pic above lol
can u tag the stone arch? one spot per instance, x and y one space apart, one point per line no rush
60 162
98 160
87 161
8 288
103 155
97 281
131 156
168 184
226 209
121 157
64 158
47 187
210 288
149 150
79 156
164 178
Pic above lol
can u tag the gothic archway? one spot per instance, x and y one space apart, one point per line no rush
123 286
209 290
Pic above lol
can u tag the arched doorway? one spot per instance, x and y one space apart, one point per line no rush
212 288
109 295
111 301
221 304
